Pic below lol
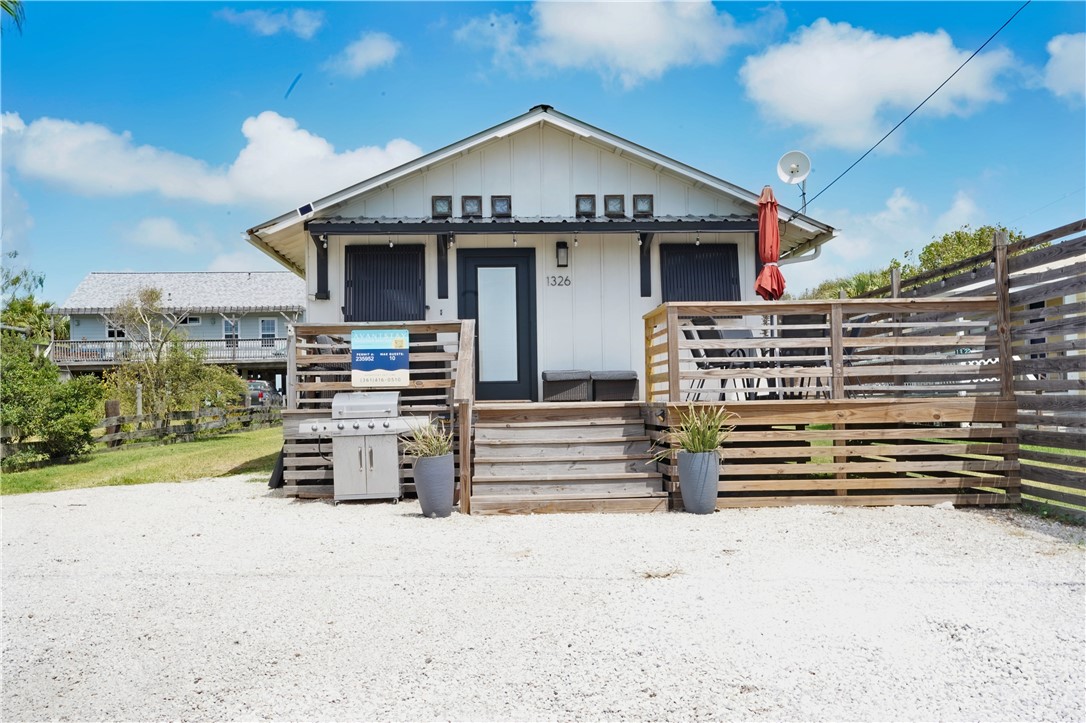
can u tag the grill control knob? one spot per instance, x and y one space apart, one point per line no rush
355 425
313 427
386 424
339 425
371 425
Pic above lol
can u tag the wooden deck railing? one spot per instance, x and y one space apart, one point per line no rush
844 349
319 366
119 351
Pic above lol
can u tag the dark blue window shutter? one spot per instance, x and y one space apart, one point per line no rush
385 284
709 272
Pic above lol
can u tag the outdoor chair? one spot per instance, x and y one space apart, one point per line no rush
707 359
804 387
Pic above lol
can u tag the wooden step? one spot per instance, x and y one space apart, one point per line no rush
521 479
531 469
591 487
487 432
513 505
535 456
570 440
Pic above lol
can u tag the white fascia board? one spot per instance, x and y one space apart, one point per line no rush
533 117
509 127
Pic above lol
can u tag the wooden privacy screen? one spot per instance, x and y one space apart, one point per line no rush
318 366
862 452
1046 314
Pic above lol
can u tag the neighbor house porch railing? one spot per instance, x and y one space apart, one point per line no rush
119 351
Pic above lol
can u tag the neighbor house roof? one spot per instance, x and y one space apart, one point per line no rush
284 238
236 292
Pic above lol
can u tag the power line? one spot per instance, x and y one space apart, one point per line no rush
902 121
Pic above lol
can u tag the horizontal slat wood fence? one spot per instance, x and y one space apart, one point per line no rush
860 452
126 432
1046 317
319 366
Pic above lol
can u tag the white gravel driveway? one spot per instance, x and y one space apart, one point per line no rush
214 599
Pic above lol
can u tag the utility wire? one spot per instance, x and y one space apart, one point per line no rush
949 78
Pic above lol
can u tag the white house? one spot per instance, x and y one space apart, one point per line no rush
555 235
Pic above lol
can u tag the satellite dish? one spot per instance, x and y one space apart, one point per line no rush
794 167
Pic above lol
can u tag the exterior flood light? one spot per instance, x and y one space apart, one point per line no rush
561 253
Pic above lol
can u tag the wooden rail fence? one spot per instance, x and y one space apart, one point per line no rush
126 432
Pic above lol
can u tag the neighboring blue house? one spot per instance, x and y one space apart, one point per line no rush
238 318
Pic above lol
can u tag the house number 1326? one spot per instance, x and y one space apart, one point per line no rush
559 281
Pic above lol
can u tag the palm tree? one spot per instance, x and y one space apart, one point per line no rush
14 10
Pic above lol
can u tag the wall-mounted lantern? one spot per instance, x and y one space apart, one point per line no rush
561 253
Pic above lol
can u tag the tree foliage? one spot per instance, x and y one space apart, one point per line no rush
21 309
14 10
941 252
171 377
38 405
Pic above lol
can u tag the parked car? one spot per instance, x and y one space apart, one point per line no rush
261 394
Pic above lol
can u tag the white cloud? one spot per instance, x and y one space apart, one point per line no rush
245 259
371 50
159 232
964 210
627 42
848 86
15 218
303 23
868 241
1065 71
281 165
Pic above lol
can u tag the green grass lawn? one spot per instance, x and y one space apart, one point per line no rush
242 453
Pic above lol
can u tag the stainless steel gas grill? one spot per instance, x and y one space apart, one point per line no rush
365 454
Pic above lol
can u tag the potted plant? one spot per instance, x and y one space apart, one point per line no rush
431 446
701 432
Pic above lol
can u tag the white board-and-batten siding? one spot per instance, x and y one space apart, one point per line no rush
594 323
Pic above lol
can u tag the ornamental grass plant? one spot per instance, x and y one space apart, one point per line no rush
429 440
701 429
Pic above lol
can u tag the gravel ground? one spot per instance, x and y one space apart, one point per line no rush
216 599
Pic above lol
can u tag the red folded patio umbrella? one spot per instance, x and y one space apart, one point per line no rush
770 282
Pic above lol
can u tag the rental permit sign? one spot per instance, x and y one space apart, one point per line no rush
379 358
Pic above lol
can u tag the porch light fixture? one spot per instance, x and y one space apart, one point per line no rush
697 238
561 254
576 243
514 238
324 240
452 239
390 240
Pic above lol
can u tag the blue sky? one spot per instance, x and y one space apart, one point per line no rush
148 136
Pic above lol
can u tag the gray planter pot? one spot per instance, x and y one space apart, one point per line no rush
434 485
699 473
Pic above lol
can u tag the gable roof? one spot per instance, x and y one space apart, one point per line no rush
236 292
283 237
